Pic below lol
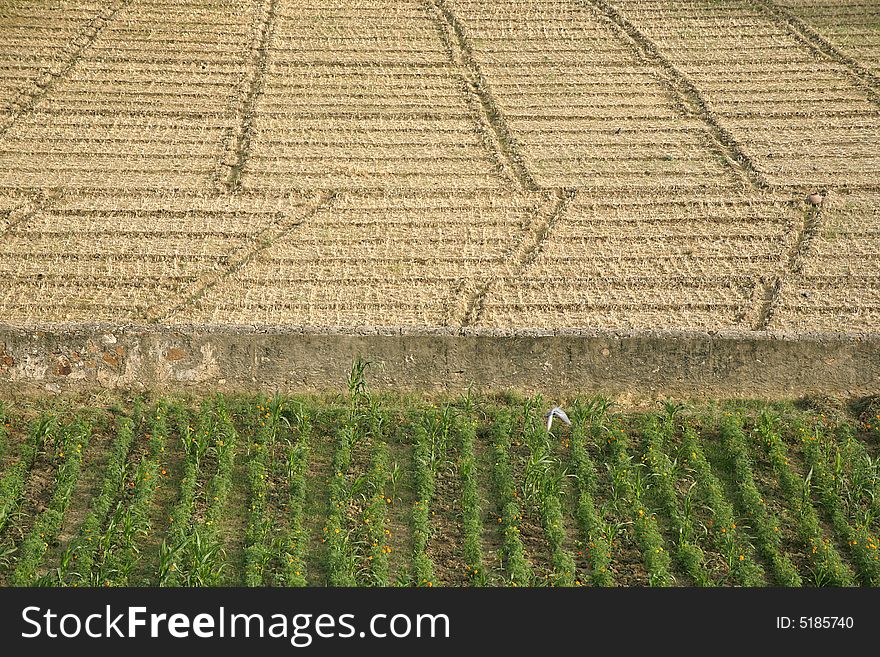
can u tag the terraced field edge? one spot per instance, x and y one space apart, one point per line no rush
636 364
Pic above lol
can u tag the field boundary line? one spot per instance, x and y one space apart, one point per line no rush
807 35
32 205
27 98
237 141
233 330
501 142
770 288
689 99
519 259
238 259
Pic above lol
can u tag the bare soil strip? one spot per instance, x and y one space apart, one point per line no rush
502 140
31 94
286 223
491 537
237 146
398 521
233 531
686 93
821 46
317 503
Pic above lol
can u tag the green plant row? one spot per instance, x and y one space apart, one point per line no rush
112 484
471 508
597 544
724 532
121 552
423 478
665 473
630 486
828 568
543 479
13 481
296 544
764 523
74 439
206 552
341 565
516 565
862 544
373 517
856 481
196 442
259 542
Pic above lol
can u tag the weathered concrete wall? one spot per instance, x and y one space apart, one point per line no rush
82 358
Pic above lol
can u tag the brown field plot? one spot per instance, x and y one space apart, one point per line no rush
516 164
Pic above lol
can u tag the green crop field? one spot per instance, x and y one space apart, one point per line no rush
362 489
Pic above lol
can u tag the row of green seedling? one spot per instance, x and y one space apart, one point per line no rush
191 555
13 482
678 508
516 565
195 442
629 484
856 480
592 525
370 538
542 487
206 553
828 568
78 560
724 533
120 551
69 446
764 523
375 504
363 416
341 562
861 542
296 466
259 542
431 443
471 507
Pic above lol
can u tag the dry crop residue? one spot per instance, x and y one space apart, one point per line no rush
563 164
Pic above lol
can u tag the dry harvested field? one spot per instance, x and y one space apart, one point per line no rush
565 164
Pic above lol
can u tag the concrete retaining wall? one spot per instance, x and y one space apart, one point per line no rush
84 358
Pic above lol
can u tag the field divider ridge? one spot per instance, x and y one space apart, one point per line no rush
779 363
500 140
237 142
260 242
771 285
688 97
33 205
34 91
868 81
523 255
